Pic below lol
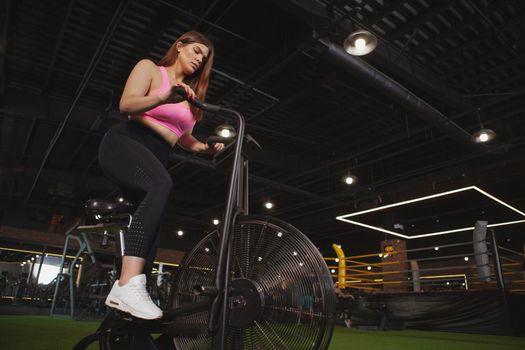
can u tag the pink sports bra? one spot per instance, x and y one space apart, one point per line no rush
175 116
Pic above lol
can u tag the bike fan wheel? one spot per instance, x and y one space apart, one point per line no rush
291 304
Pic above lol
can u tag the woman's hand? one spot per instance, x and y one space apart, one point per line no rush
171 96
191 144
216 148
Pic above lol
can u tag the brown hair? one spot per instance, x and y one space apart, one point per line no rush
198 81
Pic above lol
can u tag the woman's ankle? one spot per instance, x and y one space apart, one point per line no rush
122 283
124 280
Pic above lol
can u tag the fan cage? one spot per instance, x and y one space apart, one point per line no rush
293 281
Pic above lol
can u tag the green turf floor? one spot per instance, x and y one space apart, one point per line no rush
45 333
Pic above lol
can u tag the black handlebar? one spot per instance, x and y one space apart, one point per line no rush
210 140
215 109
199 104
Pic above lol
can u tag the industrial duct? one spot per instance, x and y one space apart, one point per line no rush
394 90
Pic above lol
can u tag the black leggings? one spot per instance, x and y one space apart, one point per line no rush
135 158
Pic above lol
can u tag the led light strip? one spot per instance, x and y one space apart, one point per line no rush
380 229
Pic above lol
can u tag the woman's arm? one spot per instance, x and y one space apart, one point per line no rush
134 100
191 144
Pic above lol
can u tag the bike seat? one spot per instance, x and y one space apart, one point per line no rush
103 206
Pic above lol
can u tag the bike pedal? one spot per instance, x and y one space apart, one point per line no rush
125 316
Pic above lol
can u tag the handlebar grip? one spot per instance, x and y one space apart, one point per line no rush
179 90
216 139
206 106
199 104
211 140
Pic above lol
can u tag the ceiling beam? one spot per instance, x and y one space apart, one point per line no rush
486 35
51 66
435 9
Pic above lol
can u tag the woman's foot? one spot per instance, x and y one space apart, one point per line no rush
133 298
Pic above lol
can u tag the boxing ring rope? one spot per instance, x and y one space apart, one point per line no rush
369 275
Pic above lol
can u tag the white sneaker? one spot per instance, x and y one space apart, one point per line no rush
133 298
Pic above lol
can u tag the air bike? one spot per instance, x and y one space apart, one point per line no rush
255 283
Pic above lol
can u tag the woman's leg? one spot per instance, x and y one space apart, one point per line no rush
132 266
134 166
148 264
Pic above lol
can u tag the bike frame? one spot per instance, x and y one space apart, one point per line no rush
237 202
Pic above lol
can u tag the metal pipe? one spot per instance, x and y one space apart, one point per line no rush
37 277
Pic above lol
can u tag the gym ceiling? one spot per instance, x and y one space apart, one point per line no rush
399 118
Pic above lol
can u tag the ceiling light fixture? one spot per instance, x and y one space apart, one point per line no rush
225 130
483 135
360 43
349 179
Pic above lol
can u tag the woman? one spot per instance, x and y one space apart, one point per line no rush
135 154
